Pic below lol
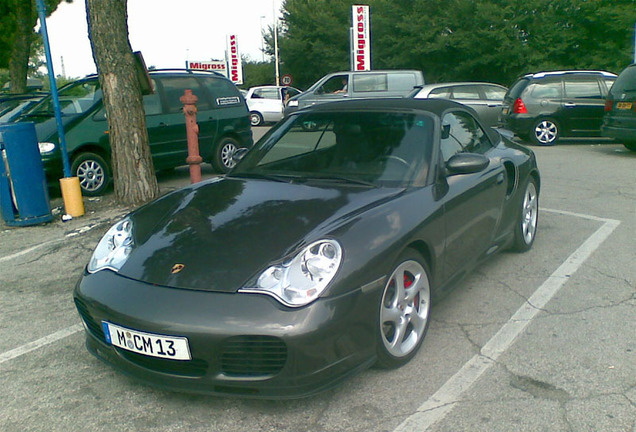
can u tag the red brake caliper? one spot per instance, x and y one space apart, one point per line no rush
408 281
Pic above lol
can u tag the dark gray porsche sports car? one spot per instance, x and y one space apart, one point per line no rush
316 257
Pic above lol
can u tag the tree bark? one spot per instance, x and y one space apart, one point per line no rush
133 172
25 19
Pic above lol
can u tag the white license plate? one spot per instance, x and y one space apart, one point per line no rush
153 345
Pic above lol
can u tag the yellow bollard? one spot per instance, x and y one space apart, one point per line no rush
72 196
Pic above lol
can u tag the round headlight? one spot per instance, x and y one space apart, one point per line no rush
301 280
113 249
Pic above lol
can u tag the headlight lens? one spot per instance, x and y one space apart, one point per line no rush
301 280
113 249
46 147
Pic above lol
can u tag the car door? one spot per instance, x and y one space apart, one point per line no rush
583 105
166 130
472 202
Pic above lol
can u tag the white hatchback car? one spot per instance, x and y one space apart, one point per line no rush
266 103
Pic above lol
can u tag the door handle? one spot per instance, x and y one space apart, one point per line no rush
162 124
569 104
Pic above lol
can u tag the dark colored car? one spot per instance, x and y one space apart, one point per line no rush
619 121
12 106
316 257
222 117
547 106
485 98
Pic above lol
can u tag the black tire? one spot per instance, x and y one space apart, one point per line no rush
630 145
223 155
404 311
256 119
93 173
528 218
545 132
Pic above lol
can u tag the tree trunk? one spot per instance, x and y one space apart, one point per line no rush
25 19
133 171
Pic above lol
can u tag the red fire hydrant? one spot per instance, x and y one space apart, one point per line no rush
194 159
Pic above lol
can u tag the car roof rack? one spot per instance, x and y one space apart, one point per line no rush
572 72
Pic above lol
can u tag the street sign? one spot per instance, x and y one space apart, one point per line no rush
286 79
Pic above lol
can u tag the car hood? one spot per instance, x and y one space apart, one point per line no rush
224 232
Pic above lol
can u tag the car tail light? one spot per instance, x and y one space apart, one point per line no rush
519 107
608 105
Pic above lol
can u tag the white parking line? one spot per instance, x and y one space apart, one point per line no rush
46 340
449 395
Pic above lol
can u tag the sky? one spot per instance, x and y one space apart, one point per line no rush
167 32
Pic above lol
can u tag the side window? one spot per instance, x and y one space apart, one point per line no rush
547 90
462 133
335 84
587 89
494 93
401 81
266 94
370 83
466 92
174 88
152 102
440 93
222 91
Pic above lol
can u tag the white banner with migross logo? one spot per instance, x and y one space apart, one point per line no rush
361 40
234 60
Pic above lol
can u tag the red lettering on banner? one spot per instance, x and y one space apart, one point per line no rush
360 9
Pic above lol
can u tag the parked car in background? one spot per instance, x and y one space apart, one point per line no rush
485 98
363 210
267 103
619 121
13 105
222 118
547 106
355 85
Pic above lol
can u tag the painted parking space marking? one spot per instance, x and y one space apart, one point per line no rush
449 395
42 342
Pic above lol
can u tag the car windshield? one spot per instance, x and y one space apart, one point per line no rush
76 98
377 149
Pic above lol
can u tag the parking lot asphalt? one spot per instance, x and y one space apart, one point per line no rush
542 341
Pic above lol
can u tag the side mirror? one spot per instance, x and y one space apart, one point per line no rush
239 154
445 131
466 163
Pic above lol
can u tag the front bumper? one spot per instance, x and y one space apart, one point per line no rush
241 344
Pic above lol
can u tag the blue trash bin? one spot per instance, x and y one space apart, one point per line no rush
24 194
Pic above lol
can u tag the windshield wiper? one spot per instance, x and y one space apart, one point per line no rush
283 178
341 179
40 114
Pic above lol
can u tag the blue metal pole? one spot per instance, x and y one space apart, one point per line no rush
56 99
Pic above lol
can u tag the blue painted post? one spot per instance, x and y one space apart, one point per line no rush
56 99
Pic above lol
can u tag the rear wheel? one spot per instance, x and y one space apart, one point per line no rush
526 225
545 132
93 173
224 154
404 311
256 119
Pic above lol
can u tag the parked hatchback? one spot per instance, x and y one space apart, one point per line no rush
485 98
544 107
619 121
222 118
267 103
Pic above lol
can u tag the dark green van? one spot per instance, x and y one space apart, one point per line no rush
222 116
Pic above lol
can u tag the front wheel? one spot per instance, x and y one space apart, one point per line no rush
526 224
93 173
545 132
224 154
404 311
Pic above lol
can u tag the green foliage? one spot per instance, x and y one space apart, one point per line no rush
461 40
258 73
